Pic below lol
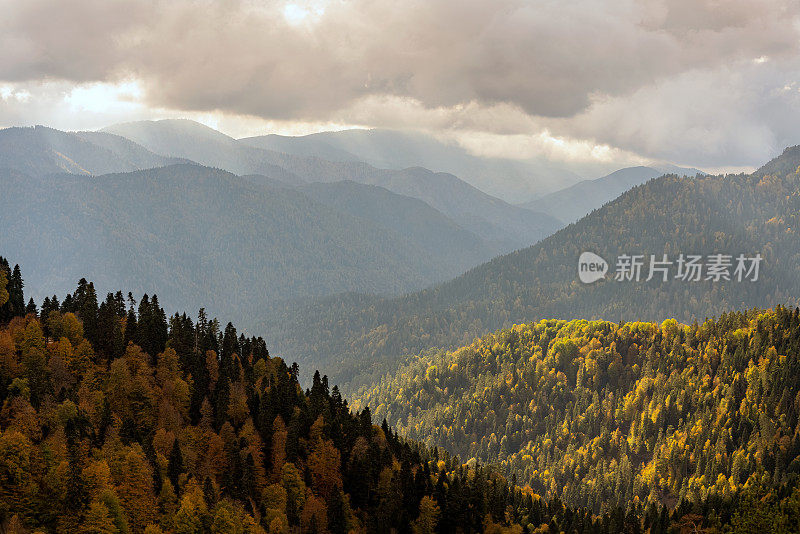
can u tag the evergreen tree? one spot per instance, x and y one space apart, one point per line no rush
3 287
15 293
175 465
12 298
31 308
85 305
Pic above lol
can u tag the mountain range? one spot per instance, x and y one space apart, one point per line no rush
308 238
226 233
359 337
41 150
321 244
508 179
491 218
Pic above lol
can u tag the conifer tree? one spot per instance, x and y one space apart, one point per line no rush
31 308
175 465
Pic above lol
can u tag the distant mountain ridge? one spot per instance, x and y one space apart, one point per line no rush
510 226
203 145
385 240
405 215
40 150
507 179
570 204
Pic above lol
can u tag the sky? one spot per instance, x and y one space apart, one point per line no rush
713 84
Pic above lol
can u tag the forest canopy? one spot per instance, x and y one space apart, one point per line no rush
602 414
115 418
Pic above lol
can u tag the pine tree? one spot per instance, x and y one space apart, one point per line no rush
130 322
110 337
12 298
15 292
31 308
76 485
337 514
85 305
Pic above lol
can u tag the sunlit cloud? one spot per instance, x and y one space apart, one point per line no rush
297 14
106 97
8 93
575 82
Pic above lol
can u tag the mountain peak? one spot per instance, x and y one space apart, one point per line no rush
184 127
786 163
40 150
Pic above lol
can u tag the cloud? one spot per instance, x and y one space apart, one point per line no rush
736 115
571 68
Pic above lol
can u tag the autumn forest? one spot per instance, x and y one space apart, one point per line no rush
118 419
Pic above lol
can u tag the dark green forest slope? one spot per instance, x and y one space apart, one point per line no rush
573 202
358 337
407 216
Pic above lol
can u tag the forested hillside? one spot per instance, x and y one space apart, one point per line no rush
358 337
201 234
407 216
602 414
486 216
571 203
115 419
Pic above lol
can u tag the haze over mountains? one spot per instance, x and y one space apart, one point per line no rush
203 231
360 337
429 229
510 180
573 202
226 233
311 221
41 150
489 217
